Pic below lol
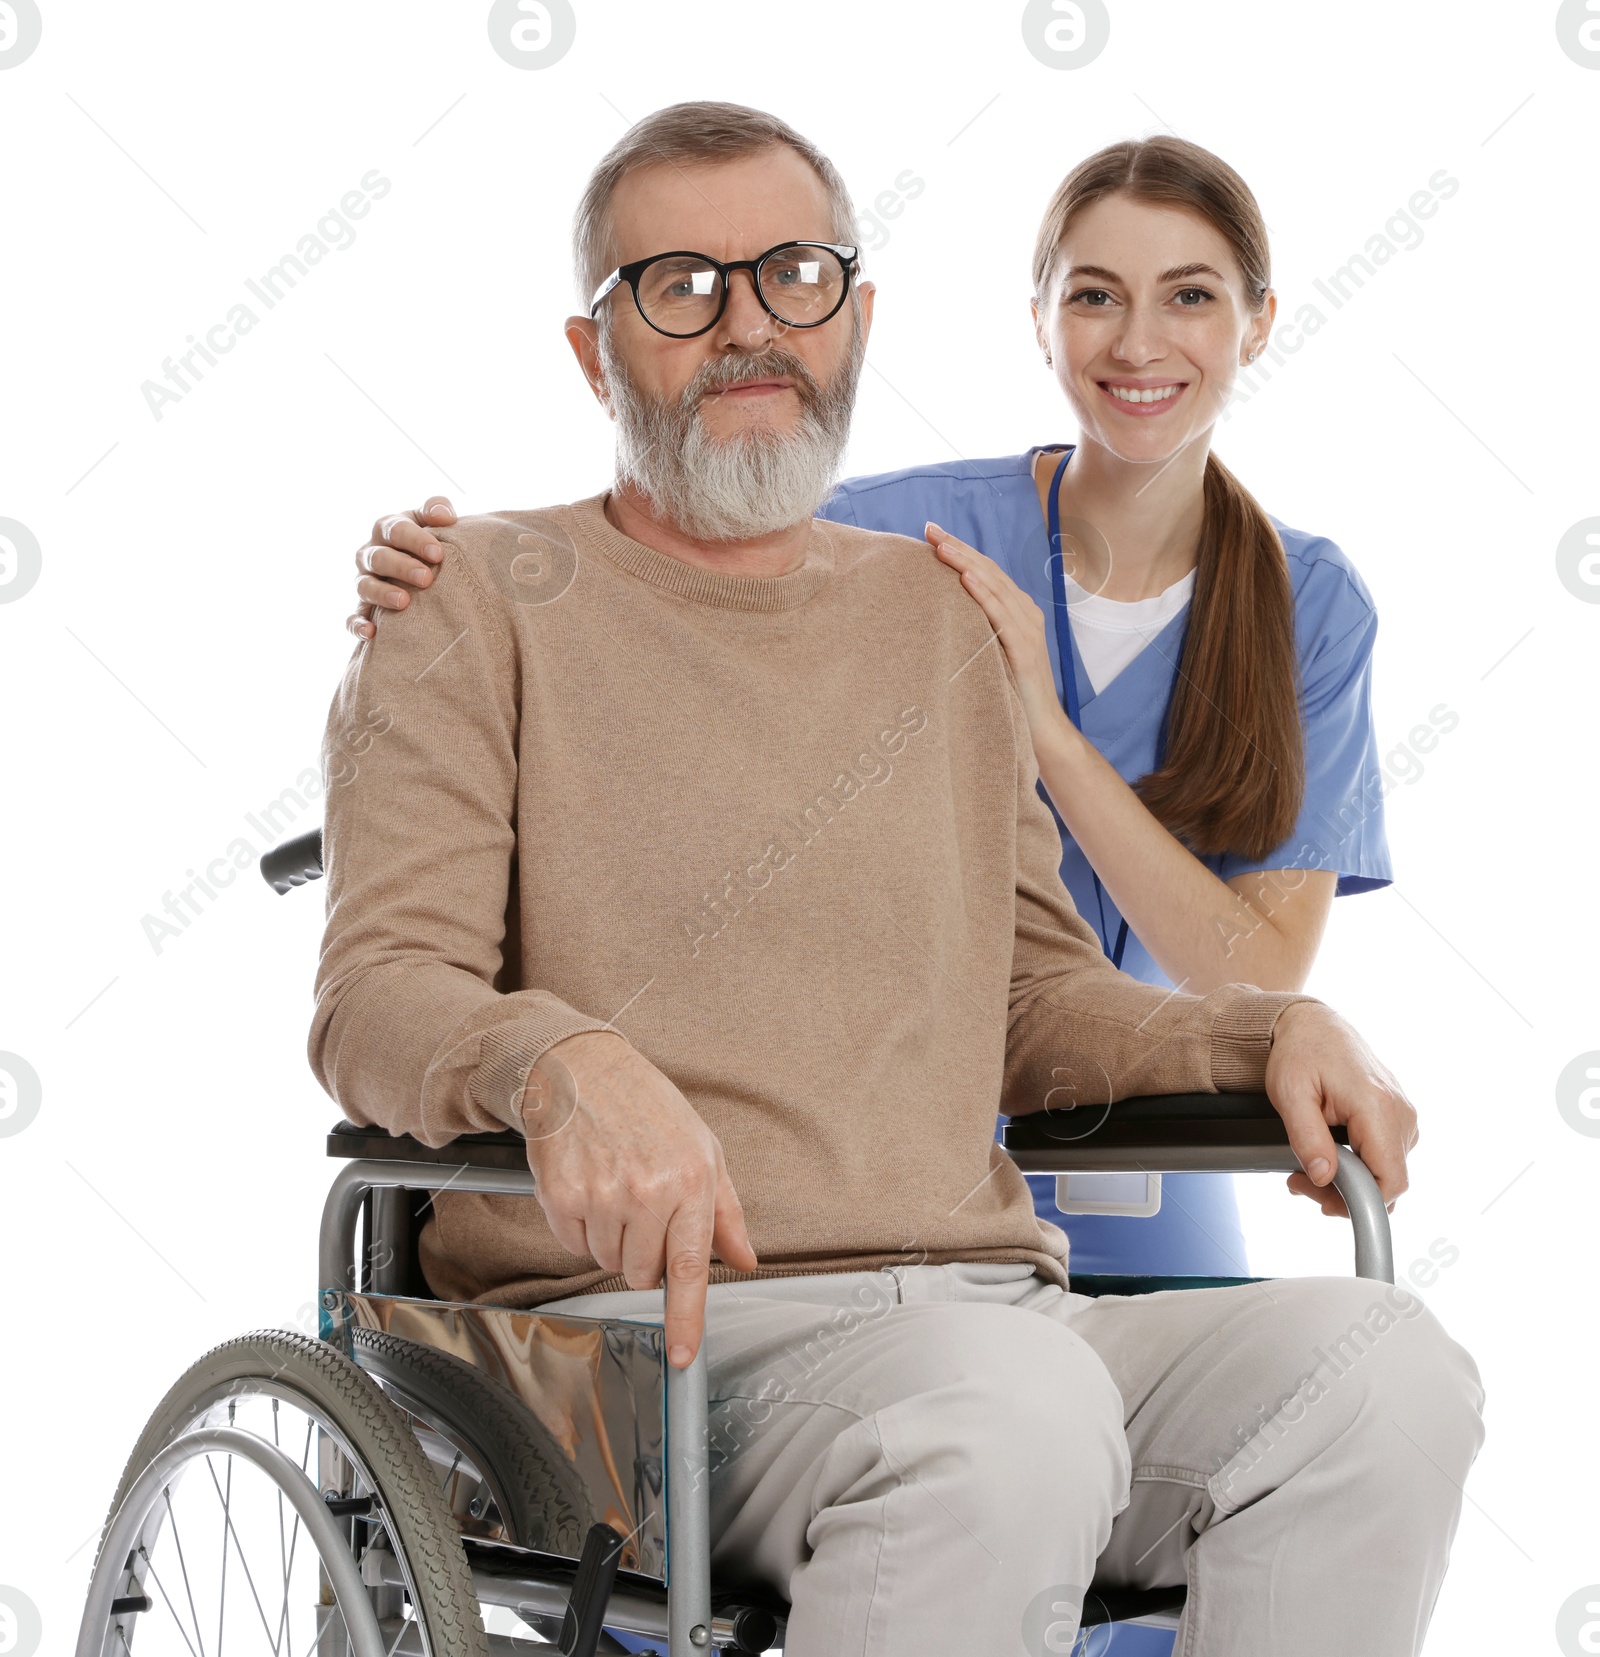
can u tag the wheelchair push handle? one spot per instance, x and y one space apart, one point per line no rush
294 862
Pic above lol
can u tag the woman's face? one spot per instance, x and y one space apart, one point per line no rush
1145 323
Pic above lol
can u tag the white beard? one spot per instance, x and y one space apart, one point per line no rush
732 488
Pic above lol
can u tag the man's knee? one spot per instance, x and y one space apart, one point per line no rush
985 1427
1020 1398
1379 1359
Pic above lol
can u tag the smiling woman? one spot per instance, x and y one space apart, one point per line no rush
1147 357
1200 702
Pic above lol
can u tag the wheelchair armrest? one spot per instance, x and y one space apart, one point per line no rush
1237 1132
379 1166
294 862
506 1150
1172 1133
1186 1132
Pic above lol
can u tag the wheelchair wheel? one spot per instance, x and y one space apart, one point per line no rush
542 1502
278 1502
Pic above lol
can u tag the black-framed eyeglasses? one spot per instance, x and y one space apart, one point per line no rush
801 284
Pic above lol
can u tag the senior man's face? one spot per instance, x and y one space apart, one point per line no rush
739 431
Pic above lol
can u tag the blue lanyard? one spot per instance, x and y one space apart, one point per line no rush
1069 678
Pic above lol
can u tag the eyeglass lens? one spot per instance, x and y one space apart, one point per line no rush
681 294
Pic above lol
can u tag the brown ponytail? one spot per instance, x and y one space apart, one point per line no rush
1233 767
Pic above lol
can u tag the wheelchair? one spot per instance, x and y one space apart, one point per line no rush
453 1480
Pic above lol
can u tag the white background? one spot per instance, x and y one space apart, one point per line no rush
172 667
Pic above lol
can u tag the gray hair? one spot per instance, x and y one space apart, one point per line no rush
686 135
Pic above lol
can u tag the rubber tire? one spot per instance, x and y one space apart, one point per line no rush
420 1528
550 1509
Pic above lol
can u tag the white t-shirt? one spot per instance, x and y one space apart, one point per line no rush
1110 632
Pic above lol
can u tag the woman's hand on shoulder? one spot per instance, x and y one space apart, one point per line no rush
402 553
1017 620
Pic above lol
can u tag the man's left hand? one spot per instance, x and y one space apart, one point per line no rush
1320 1072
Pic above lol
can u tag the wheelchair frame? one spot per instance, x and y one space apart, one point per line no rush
1237 1133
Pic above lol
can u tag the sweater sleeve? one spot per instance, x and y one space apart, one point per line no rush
1081 1032
419 842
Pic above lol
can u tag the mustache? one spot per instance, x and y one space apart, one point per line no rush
740 367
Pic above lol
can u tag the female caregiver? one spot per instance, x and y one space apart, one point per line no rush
1196 675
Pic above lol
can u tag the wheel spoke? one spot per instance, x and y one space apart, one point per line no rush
224 1403
177 1542
294 1533
222 1603
322 1628
283 1561
452 1473
150 1568
283 1622
244 1564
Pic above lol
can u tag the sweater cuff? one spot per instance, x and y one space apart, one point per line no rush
507 1053
1241 1037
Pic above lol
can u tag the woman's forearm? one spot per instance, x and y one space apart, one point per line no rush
1197 928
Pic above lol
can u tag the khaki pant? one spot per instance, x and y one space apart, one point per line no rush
939 1459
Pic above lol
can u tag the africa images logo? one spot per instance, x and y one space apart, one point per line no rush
20 558
532 34
1066 34
20 29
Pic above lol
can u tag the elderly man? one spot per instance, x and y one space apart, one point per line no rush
699 841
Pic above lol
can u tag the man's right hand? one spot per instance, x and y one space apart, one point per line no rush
628 1173
402 553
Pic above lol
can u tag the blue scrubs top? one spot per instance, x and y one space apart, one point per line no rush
993 505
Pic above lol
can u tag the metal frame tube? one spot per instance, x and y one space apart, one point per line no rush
629 1610
690 1628
688 1473
390 1220
336 1242
1369 1217
688 1508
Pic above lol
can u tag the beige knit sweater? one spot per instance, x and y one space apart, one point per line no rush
783 834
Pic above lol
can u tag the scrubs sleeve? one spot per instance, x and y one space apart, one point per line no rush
1341 823
838 508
